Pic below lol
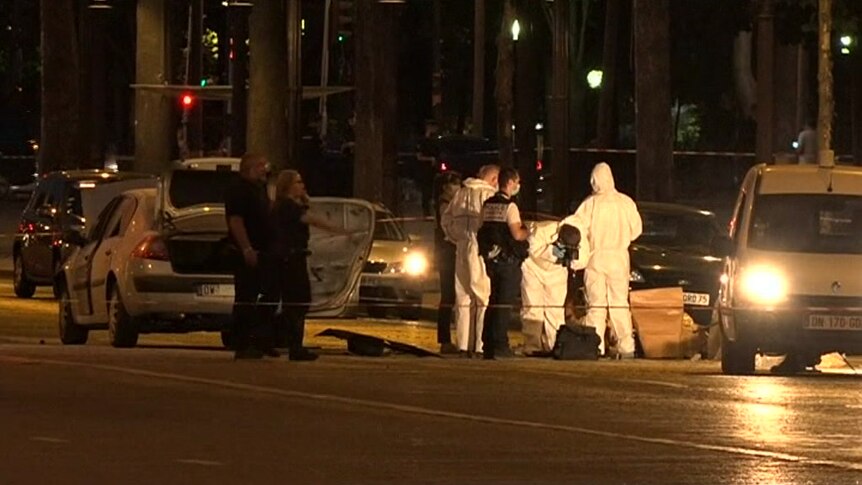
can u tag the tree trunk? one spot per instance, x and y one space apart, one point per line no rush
154 122
652 86
578 88
267 94
195 73
238 19
503 92
606 124
437 65
746 86
824 80
96 90
526 85
376 105
559 110
785 126
479 69
765 85
60 146
293 101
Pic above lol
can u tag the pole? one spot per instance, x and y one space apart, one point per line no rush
324 69
479 68
559 109
765 84
826 156
194 75
294 81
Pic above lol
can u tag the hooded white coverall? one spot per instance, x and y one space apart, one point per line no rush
460 222
612 222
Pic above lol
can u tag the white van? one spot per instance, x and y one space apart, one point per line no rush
793 280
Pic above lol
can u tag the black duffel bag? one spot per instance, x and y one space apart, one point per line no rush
576 342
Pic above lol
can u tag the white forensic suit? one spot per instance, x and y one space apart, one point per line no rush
610 221
544 284
460 222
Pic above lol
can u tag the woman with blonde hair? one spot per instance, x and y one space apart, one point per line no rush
291 220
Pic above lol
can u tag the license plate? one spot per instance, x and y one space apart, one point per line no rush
834 322
225 291
696 299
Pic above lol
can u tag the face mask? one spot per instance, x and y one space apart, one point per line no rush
516 190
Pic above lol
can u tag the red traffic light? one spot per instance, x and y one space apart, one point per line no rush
187 100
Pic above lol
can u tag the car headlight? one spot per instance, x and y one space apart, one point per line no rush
635 276
763 285
415 264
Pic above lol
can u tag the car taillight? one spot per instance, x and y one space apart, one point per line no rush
152 247
443 167
539 165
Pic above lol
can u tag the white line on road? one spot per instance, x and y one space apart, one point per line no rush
193 461
48 439
477 418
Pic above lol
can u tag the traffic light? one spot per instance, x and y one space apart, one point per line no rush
345 11
187 101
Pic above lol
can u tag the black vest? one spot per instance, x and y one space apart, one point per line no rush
496 243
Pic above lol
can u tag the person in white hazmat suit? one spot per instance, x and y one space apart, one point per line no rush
609 220
460 222
544 286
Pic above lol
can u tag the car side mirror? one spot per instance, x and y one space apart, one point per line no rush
723 246
74 238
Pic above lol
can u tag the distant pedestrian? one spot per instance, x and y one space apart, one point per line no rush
806 144
248 221
445 186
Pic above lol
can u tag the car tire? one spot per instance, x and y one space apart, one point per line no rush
122 330
70 332
737 358
24 288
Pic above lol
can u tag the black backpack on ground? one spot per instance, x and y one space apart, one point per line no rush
576 342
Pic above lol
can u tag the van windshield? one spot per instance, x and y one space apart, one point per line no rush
807 223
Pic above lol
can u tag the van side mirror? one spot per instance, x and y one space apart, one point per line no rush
723 246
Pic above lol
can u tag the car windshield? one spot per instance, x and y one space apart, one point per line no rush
677 231
199 187
386 228
807 223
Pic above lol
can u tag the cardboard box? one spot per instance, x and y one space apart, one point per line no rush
663 328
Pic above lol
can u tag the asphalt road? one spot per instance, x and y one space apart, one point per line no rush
177 409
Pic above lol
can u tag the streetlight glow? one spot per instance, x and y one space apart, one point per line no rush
594 79
516 30
846 40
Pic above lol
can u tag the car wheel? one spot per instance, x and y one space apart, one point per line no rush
70 332
24 288
122 331
737 358
375 311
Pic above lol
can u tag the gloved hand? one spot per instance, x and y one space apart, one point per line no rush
558 252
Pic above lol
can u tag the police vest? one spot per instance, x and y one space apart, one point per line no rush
494 237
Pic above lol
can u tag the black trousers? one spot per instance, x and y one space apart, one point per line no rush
295 293
254 304
505 290
446 270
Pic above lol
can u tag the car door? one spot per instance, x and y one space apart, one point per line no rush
80 261
39 255
103 256
336 260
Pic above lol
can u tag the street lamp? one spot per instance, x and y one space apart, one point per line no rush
846 42
516 30
594 79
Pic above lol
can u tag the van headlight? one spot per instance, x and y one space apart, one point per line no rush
763 285
415 264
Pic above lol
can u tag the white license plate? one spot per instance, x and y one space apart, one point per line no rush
834 322
696 299
225 291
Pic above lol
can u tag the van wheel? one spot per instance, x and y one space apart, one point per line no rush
122 330
737 358
24 288
70 332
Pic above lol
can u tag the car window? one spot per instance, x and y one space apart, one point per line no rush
121 218
807 223
73 201
104 220
199 187
386 228
679 231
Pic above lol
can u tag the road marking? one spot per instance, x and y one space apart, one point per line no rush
48 439
476 418
193 461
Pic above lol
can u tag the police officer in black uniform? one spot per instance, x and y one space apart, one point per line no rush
503 246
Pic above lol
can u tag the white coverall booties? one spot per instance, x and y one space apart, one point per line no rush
612 222
543 290
460 222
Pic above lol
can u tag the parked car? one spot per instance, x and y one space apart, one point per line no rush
61 202
792 281
396 273
159 260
